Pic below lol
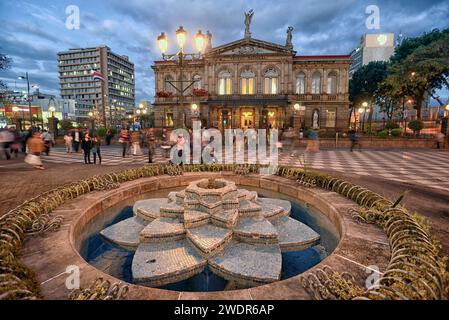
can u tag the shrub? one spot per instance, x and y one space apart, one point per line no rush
416 125
101 132
66 125
396 132
383 134
391 125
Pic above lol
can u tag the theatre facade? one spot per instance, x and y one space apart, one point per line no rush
251 83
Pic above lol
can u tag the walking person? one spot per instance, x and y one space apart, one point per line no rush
135 138
86 145
108 137
76 139
124 140
96 144
439 139
355 139
180 141
49 141
151 141
6 139
68 142
35 148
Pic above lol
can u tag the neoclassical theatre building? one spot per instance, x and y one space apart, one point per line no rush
253 83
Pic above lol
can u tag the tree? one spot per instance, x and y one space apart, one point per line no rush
423 71
66 125
5 63
365 83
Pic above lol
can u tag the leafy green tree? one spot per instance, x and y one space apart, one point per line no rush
419 67
364 85
65 125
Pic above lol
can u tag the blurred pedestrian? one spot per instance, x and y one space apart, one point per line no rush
76 139
68 142
108 137
96 144
86 146
439 139
135 138
35 148
151 141
355 139
49 141
6 139
124 140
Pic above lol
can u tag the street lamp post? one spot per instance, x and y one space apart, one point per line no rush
28 95
181 37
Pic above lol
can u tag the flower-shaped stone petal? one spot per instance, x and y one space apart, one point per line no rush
126 232
157 264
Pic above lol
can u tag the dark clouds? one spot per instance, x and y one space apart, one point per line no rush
130 27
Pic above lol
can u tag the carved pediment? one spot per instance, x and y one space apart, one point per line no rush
248 50
250 47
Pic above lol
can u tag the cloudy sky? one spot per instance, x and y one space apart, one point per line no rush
32 32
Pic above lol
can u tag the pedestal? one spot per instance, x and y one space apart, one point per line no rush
53 125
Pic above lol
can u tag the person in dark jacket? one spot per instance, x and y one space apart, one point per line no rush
109 136
86 145
96 143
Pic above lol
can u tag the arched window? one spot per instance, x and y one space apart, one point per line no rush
316 83
197 84
332 83
271 81
168 84
300 83
247 82
224 82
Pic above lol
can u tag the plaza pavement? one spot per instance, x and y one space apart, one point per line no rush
429 168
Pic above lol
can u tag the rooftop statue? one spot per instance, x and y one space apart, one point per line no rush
248 18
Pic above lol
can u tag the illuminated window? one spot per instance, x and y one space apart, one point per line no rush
330 118
247 82
300 83
316 83
271 81
169 119
224 83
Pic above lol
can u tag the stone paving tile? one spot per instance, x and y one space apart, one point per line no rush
126 232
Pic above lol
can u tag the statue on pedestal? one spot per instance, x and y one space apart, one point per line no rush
248 18
289 43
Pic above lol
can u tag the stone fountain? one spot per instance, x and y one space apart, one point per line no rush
239 236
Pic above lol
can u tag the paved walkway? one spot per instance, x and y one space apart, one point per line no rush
429 168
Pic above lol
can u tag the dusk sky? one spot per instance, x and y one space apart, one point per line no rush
32 32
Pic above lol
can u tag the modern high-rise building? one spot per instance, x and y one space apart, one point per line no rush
110 98
372 47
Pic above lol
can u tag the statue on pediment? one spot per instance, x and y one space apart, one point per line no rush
248 17
289 43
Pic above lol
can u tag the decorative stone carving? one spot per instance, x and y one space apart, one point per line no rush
213 223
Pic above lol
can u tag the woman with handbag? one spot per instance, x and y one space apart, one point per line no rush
35 148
